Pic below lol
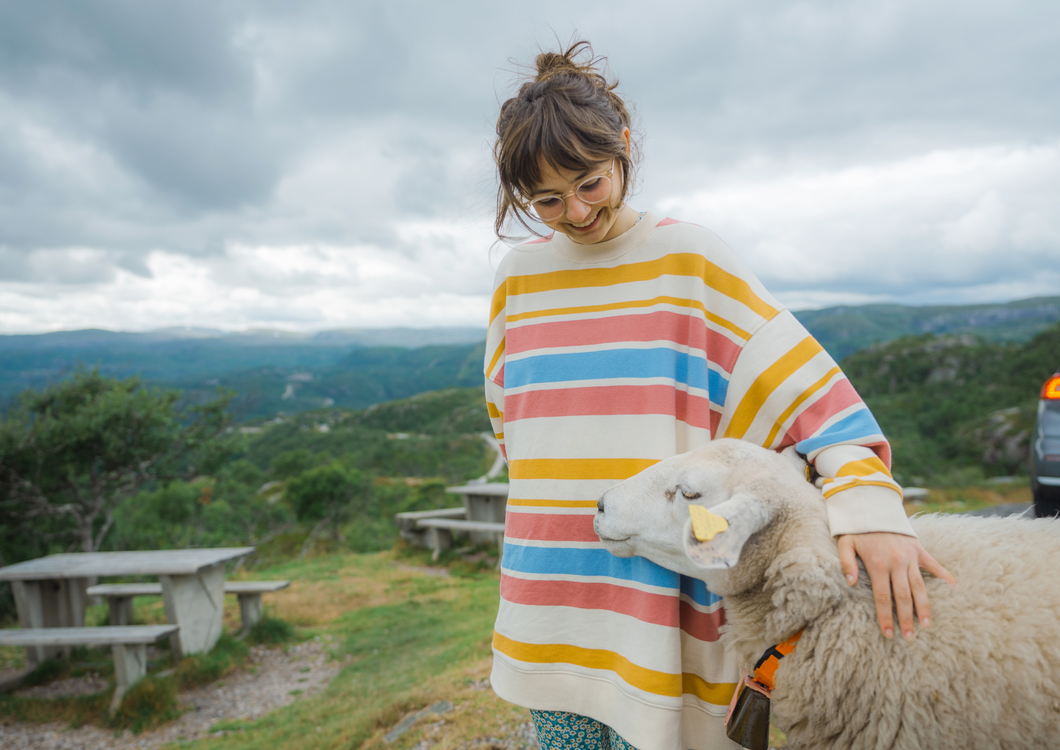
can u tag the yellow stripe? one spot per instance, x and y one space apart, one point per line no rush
768 382
497 303
577 468
553 503
829 491
797 403
718 693
864 468
632 304
494 412
496 356
676 264
642 678
648 680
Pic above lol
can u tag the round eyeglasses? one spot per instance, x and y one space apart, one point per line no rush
592 189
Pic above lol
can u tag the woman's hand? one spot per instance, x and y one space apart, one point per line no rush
893 562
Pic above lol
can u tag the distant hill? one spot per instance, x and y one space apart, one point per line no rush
353 368
195 357
950 402
845 330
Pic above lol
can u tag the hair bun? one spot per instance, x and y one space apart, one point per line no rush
553 63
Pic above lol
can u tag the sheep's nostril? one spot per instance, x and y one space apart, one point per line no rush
600 505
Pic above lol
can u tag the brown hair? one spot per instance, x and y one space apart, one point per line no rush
568 114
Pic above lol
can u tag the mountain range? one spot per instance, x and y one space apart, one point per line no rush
275 371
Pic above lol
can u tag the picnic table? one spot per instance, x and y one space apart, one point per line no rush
50 592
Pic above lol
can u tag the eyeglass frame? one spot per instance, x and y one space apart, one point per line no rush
528 206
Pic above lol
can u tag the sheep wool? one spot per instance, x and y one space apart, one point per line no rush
984 676
602 360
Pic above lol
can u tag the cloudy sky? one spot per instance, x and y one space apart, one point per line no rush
325 164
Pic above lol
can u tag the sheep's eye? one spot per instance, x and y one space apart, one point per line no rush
689 494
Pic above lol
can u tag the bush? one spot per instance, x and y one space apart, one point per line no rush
199 669
271 631
150 702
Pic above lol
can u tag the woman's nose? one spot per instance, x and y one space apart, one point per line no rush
577 210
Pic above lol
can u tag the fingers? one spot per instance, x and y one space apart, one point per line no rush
848 559
920 598
881 595
932 566
903 597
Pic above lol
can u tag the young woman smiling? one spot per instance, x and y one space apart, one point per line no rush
618 340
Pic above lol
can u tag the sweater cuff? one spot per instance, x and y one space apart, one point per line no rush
867 508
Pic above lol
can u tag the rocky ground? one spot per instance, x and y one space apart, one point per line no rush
271 679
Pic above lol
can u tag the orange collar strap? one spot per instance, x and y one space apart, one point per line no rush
765 671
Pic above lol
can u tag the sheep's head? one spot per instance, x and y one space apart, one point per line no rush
748 486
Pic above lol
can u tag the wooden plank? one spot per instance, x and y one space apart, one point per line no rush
126 589
150 563
443 523
105 636
254 587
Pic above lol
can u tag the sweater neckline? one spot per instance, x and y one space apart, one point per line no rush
612 249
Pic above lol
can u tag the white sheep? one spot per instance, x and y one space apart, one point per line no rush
986 674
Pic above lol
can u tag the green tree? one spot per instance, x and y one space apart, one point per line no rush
69 454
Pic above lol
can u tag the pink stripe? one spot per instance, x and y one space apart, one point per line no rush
539 240
612 400
657 609
667 222
701 625
550 527
681 329
499 379
840 396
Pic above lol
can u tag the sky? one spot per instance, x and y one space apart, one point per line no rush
327 164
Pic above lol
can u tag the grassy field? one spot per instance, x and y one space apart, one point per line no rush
409 635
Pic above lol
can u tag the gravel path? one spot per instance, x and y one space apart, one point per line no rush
244 694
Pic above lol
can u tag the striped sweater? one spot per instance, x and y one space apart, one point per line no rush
600 361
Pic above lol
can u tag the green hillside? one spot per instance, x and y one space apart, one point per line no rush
845 330
951 403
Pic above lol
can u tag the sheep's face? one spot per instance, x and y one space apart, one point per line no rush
648 514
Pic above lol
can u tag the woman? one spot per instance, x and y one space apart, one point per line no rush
621 339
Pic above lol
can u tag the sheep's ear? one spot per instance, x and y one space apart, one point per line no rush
745 514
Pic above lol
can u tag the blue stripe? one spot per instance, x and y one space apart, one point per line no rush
618 363
698 592
858 426
586 562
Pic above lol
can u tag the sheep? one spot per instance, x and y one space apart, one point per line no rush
986 674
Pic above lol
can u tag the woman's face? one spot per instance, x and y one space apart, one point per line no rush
585 223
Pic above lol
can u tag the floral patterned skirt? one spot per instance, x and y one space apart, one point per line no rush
559 730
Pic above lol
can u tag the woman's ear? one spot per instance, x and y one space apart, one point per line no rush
625 137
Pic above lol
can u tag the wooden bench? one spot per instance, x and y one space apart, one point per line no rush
119 598
129 644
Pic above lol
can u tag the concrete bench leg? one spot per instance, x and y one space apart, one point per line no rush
439 540
121 610
251 610
196 603
130 666
58 603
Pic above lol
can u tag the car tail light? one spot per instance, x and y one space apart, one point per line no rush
1051 458
1051 389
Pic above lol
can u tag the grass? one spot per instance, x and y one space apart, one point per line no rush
963 499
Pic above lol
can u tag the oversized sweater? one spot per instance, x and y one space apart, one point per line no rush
600 361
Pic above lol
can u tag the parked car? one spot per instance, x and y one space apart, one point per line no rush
1045 451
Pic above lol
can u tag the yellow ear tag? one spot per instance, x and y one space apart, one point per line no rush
706 525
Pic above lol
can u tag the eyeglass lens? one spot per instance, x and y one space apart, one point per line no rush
593 190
